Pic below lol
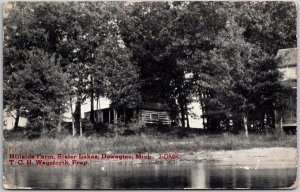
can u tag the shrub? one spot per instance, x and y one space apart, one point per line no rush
136 125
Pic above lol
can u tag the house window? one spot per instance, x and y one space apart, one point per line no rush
154 116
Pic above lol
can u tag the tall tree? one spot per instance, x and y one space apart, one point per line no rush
193 34
121 75
149 42
44 85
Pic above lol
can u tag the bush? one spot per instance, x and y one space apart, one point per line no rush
136 125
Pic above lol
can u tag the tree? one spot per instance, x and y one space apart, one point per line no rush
93 23
121 76
221 52
14 56
44 85
269 26
149 42
193 33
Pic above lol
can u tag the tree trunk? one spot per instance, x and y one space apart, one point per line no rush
97 102
182 114
187 115
73 120
80 127
77 115
278 121
92 114
272 118
202 109
208 126
59 122
59 125
115 116
17 119
201 99
73 126
245 118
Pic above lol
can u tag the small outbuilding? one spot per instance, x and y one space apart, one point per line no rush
149 113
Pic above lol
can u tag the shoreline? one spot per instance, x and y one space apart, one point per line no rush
274 157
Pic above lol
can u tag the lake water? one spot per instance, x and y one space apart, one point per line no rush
149 176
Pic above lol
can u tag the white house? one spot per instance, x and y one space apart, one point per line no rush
9 119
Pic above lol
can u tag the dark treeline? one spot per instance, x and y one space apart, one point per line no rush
219 54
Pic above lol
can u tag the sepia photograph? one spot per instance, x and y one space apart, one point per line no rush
149 95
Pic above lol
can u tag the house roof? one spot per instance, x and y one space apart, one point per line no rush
147 106
95 110
287 57
154 106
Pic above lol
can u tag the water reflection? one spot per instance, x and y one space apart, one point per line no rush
231 177
146 176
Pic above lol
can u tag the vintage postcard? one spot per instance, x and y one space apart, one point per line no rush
149 95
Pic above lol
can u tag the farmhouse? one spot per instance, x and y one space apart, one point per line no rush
287 65
150 113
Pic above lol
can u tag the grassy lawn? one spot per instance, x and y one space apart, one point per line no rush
145 143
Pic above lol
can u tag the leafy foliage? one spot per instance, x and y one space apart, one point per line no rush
220 54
